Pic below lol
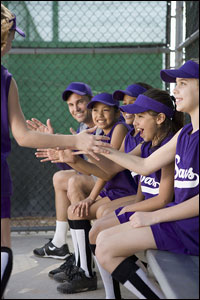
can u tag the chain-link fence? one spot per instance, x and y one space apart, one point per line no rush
192 26
106 44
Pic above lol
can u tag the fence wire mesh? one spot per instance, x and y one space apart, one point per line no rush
106 44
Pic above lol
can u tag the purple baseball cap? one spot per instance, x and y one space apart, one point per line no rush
103 98
132 90
189 70
79 88
14 27
144 103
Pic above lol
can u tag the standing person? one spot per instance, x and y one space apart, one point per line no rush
129 95
12 118
174 228
69 185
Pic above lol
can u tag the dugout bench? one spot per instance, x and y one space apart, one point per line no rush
177 274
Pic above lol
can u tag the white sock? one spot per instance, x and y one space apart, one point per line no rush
149 283
75 244
107 281
59 238
80 235
4 262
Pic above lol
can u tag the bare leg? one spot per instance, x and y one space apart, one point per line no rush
121 262
5 233
114 204
60 182
79 187
101 224
131 239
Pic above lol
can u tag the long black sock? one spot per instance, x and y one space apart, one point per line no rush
82 228
136 280
111 286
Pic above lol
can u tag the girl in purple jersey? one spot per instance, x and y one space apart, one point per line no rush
174 228
156 189
12 118
129 95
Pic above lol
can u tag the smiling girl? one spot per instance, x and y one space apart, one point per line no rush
174 228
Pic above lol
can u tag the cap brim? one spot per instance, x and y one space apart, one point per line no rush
119 94
91 104
132 109
66 94
171 75
20 31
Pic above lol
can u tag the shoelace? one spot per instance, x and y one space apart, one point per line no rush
76 273
68 263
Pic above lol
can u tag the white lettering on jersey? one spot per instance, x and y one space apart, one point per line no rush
153 186
184 174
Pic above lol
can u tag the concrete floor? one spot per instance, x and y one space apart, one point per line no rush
29 278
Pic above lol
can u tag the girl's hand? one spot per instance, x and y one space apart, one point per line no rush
65 156
81 208
36 125
88 143
49 154
141 219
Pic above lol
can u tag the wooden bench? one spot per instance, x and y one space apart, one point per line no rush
177 274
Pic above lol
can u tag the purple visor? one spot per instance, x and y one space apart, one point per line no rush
189 70
144 103
132 90
14 27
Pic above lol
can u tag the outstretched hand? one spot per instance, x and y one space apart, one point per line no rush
56 155
35 124
89 143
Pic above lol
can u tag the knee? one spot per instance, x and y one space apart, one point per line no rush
94 231
100 211
58 178
70 213
102 251
73 184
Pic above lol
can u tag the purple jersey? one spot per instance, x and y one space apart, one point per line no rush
129 144
6 184
182 236
150 184
122 184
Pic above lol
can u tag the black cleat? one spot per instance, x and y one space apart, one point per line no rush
49 250
78 282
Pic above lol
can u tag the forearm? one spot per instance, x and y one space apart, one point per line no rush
33 139
184 210
97 188
150 204
127 161
109 167
88 168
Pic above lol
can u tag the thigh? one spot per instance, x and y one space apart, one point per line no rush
86 183
124 240
110 207
94 207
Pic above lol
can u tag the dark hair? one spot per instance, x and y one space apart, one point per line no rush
144 85
168 126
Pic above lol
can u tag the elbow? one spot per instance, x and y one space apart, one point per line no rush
21 141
